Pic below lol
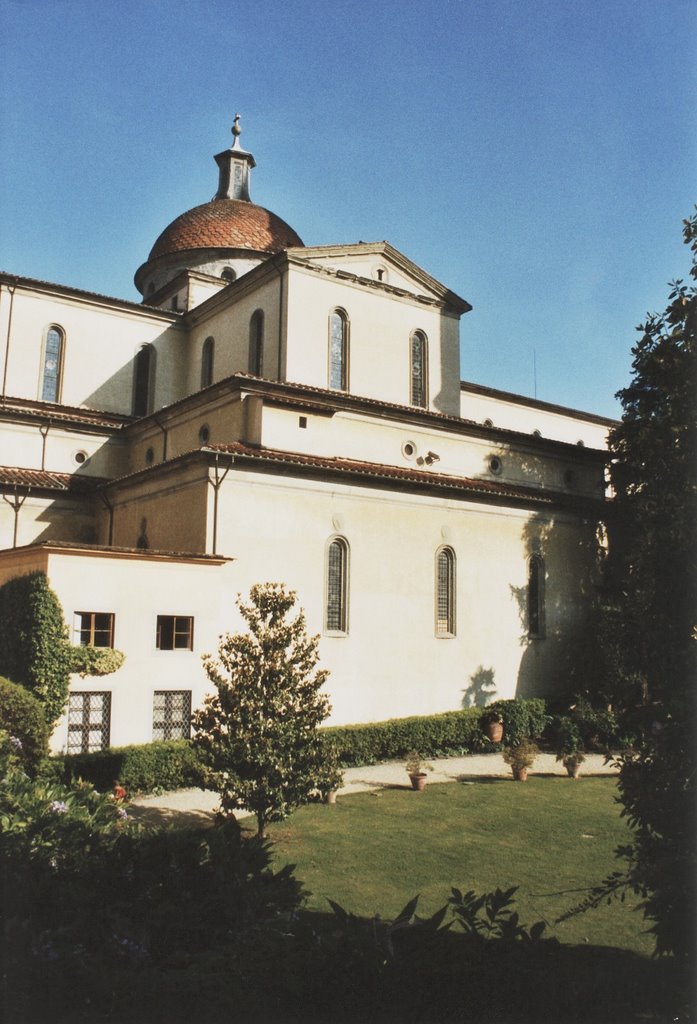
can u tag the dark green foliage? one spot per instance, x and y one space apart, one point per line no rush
650 596
22 717
34 649
162 765
451 733
521 718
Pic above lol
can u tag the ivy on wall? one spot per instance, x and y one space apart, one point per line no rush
34 648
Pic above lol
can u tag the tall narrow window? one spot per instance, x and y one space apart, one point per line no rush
207 363
336 620
53 365
445 592
536 596
89 718
256 344
338 351
418 395
144 371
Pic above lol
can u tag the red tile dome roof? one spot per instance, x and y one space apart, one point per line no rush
226 224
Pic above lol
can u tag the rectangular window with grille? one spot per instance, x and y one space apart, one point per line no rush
171 715
94 628
89 720
175 633
336 610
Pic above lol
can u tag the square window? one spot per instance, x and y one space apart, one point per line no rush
94 628
175 633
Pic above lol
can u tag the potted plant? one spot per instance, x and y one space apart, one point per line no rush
416 769
520 756
568 744
492 723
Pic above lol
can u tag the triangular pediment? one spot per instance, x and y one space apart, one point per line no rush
381 263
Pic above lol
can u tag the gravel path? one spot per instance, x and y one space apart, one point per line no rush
197 806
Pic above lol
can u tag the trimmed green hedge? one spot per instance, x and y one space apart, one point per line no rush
174 765
167 765
22 717
451 733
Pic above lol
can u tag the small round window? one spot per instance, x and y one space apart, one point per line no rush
408 449
228 274
204 434
495 465
80 457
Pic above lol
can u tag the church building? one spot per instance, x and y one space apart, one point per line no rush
278 412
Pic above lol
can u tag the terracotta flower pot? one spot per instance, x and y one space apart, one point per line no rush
573 769
330 797
418 781
520 774
494 731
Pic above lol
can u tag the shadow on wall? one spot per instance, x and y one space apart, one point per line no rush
557 607
481 690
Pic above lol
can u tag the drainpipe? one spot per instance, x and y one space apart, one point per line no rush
43 430
11 289
216 484
15 504
164 442
110 509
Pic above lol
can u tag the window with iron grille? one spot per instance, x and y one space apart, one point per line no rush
445 592
338 351
418 369
536 596
336 620
256 344
53 365
175 633
94 628
171 715
89 719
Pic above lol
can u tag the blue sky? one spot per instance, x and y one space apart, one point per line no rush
537 157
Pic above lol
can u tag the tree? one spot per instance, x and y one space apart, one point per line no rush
257 735
650 607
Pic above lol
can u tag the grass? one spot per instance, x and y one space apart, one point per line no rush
372 852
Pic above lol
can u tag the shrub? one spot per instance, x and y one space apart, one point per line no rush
451 733
521 718
34 649
22 717
95 661
166 764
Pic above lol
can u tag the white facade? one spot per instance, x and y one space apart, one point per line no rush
304 423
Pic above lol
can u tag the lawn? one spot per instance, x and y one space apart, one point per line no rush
372 852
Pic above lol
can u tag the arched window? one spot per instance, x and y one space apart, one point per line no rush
144 375
536 596
338 350
256 344
53 364
228 275
336 618
207 363
445 592
418 394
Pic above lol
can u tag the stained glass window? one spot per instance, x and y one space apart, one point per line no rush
338 332
418 369
53 355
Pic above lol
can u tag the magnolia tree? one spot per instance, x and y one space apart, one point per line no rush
258 734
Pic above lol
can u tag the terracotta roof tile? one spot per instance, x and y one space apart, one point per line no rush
227 224
43 479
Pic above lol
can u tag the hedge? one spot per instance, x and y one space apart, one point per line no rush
166 765
451 733
22 717
174 765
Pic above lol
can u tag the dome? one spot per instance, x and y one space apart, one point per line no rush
226 224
